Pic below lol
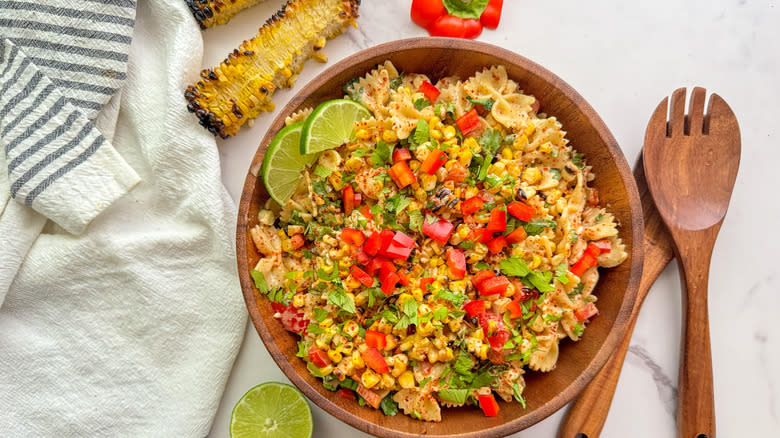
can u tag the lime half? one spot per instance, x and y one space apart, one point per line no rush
330 125
283 163
271 410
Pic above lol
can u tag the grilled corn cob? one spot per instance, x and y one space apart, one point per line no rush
242 85
210 13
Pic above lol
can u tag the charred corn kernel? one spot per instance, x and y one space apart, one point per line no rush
529 192
326 370
357 360
530 129
454 325
440 342
352 283
354 164
451 142
389 136
422 152
545 147
417 293
406 380
370 378
471 144
458 286
506 192
294 229
478 334
434 121
346 347
510 291
473 345
435 134
478 253
335 356
520 142
363 134
266 217
483 351
449 132
535 262
210 13
400 362
427 182
286 245
335 180
463 231
419 193
322 344
465 156
553 196
387 382
406 345
514 169
298 300
560 205
448 165
327 322
506 153
471 192
532 175
433 355
391 343
351 328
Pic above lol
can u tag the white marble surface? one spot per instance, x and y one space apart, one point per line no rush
623 57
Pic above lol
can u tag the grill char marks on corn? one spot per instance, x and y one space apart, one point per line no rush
241 87
210 13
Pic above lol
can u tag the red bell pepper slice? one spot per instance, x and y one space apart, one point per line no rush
497 222
492 286
374 360
521 210
599 247
401 154
402 174
386 236
400 246
471 205
353 236
481 276
440 230
488 404
388 282
515 309
586 312
516 236
347 393
468 122
296 241
376 339
403 278
348 199
498 340
435 159
481 235
456 261
425 12
457 173
424 282
318 357
583 264
497 245
358 199
524 293
366 212
361 276
386 268
373 244
430 91
373 266
491 323
474 307
361 257
491 16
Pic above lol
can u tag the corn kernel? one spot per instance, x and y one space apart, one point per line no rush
545 147
351 328
433 356
326 370
400 362
327 322
448 165
354 164
427 182
465 157
389 136
535 262
434 121
478 334
454 325
506 153
506 192
510 291
335 356
391 343
560 205
532 175
483 351
406 380
369 379
435 134
553 196
363 134
449 132
471 144
298 300
286 245
417 293
346 348
448 354
530 128
520 142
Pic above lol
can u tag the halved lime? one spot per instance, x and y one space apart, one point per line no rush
330 125
271 410
283 163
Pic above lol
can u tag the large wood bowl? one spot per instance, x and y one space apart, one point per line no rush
578 362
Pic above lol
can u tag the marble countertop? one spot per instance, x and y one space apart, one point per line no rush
623 57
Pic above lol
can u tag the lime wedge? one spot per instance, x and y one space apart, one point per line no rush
271 410
330 125
283 163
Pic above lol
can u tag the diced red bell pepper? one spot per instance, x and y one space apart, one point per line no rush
524 293
386 236
488 404
386 268
361 257
497 222
457 173
497 245
481 235
296 241
440 230
401 154
318 357
366 212
435 159
515 309
491 323
402 174
400 246
491 16
593 197
492 286
586 312
388 283
403 278
471 205
583 264
474 307
373 244
498 340
374 360
361 276
456 261
376 339
521 210
481 276
468 122
353 236
430 91
516 236
373 266
347 393
599 247
424 282
348 199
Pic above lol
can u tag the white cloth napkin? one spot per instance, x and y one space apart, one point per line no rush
130 328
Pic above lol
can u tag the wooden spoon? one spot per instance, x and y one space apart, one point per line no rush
691 165
586 416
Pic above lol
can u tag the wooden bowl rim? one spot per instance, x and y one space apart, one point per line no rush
621 321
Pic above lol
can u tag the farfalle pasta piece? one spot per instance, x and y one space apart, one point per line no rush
374 88
506 380
546 355
403 114
510 108
589 280
415 402
604 228
298 116
615 256
452 91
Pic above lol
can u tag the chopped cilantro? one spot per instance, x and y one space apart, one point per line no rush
339 298
560 273
415 220
514 266
319 314
537 226
452 395
382 154
484 103
421 132
517 394
456 299
388 406
396 81
315 329
259 280
421 103
440 313
578 160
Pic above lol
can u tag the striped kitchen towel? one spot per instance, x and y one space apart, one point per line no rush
60 64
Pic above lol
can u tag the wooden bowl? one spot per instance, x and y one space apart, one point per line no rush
578 362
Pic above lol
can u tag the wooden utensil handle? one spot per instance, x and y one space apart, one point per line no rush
695 404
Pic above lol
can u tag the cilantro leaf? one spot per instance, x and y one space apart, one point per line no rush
314 329
452 395
456 299
463 363
514 267
541 281
322 172
259 280
382 154
339 298
388 406
537 226
466 8
560 273
440 313
421 132
518 396
421 103
396 81
415 220
484 103
319 314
